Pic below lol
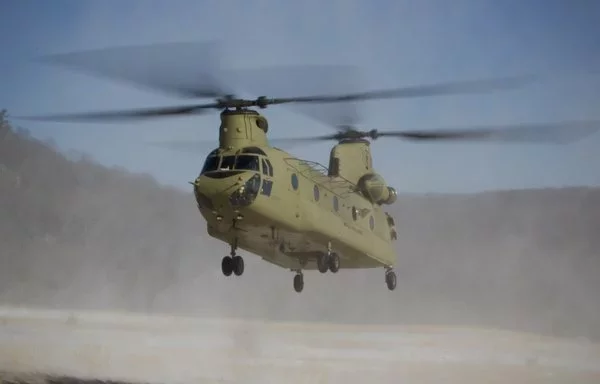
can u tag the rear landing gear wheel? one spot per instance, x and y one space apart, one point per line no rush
334 262
227 266
390 280
238 265
299 282
322 263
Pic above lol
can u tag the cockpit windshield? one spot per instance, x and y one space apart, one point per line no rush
244 162
247 162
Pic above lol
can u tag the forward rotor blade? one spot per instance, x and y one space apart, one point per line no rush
203 146
451 88
127 115
186 69
187 146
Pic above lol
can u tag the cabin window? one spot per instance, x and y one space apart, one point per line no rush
211 164
294 181
354 213
336 203
372 223
316 192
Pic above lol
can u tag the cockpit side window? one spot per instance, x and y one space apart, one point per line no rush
267 167
211 164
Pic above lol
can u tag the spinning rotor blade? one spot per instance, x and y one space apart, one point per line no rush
133 114
185 69
554 133
452 88
192 69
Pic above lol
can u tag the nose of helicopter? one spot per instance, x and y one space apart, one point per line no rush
226 193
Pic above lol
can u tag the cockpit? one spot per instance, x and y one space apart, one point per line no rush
247 159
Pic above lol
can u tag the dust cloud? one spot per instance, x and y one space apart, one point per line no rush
77 235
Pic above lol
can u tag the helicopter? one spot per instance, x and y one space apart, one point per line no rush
296 213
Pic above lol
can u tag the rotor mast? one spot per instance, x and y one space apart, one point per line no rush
242 127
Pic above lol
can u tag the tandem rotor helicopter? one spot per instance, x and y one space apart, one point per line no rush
292 212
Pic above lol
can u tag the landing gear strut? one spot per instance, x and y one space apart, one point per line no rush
390 279
232 263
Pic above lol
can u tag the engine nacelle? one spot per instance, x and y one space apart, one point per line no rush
374 188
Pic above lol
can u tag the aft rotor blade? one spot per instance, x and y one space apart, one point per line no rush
450 88
552 133
127 115
186 69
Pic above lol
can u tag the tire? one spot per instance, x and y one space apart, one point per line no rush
298 283
334 263
238 265
322 263
390 280
227 266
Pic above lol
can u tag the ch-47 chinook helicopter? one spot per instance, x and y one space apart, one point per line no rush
296 213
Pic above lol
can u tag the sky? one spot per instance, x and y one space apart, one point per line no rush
393 42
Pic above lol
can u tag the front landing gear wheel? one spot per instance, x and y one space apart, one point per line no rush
322 263
238 265
390 280
299 282
334 262
227 265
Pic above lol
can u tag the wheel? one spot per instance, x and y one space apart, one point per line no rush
298 283
334 262
390 280
322 263
227 265
238 265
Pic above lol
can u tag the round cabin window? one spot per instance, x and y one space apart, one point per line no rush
336 203
372 223
294 181
316 192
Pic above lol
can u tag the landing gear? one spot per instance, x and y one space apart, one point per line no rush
323 263
334 262
299 282
390 279
328 261
227 265
232 264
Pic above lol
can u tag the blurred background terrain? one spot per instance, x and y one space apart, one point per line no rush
75 234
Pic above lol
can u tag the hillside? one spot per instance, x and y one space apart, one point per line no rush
74 234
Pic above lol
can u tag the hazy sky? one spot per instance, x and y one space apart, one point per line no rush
395 42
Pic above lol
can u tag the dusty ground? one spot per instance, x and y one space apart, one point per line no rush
180 350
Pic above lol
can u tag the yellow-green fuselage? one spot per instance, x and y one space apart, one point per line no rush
286 211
